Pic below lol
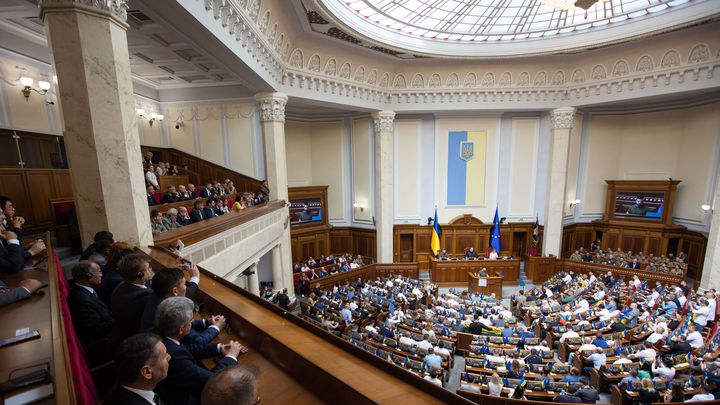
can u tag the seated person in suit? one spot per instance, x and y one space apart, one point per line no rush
183 194
11 253
493 255
170 219
207 191
183 217
218 189
209 211
192 192
197 214
187 375
10 221
24 290
111 277
232 385
93 247
171 195
220 206
150 198
129 298
141 361
443 255
156 222
91 318
471 254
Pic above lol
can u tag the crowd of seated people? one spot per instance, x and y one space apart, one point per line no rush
323 266
611 332
669 264
148 316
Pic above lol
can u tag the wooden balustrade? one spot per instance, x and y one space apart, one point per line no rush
587 267
198 231
368 272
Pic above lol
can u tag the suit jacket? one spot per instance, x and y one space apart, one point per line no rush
169 198
196 215
209 213
121 396
192 195
11 258
110 280
207 192
151 199
10 295
184 221
90 316
187 375
128 303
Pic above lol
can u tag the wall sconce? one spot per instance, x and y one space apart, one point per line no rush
574 203
155 117
27 83
706 208
140 112
361 207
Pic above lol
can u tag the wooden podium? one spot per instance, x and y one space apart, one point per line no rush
492 284
540 268
455 271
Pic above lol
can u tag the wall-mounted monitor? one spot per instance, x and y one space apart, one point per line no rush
639 205
640 201
306 211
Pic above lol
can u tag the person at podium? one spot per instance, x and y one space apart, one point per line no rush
482 273
471 254
493 255
443 255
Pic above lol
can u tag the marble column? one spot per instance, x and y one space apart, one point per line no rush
711 267
562 122
253 281
384 129
88 41
272 120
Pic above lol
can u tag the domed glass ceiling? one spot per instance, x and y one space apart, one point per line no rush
411 24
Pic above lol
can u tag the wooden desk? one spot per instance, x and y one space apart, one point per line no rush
493 284
165 181
455 271
540 268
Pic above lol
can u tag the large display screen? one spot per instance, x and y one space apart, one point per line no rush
305 211
639 205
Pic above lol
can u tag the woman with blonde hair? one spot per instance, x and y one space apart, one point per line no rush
495 385
647 392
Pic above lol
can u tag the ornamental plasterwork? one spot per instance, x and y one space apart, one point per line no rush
578 76
435 81
670 59
383 121
562 118
345 71
417 82
117 8
506 80
265 49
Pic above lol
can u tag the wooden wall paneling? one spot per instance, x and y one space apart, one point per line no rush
609 241
506 242
653 246
422 243
63 184
13 185
41 189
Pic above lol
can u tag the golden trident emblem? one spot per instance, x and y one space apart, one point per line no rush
467 150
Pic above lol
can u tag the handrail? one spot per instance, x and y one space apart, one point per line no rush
574 265
64 392
199 231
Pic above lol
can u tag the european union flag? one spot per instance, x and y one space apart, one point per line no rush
495 232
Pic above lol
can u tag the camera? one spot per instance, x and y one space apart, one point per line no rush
247 272
178 124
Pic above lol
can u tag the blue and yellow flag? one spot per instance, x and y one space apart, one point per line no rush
435 239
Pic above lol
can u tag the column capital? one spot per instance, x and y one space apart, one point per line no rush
562 118
114 8
272 106
383 121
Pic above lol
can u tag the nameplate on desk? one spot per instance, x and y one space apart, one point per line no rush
482 282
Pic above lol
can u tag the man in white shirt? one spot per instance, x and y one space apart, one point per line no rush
712 305
433 378
141 361
587 345
704 395
623 359
655 336
694 337
647 354
701 312
568 334
598 358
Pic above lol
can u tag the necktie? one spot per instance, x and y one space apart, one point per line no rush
156 400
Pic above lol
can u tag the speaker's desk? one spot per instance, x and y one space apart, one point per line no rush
492 284
456 271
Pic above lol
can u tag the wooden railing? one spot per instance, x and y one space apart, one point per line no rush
627 273
198 231
325 364
369 272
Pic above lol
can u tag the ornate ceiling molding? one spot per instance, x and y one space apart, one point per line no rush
301 72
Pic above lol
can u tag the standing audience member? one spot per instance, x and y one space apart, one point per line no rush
151 177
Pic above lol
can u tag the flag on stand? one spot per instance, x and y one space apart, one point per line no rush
495 232
536 230
435 239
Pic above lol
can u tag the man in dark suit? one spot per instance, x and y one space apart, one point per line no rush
90 316
171 195
183 217
233 385
471 254
197 214
130 297
149 195
170 282
11 253
192 193
187 375
209 211
207 191
141 361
